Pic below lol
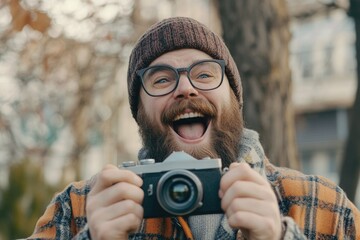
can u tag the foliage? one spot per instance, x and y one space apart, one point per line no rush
61 89
23 199
62 93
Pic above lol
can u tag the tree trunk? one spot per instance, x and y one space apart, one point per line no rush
257 34
350 170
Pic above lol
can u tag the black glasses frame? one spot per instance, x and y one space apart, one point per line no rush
141 72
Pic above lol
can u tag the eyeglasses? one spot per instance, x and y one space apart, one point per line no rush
159 80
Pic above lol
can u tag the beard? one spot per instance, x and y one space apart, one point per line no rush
224 139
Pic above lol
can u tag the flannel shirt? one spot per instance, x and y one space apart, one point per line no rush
311 207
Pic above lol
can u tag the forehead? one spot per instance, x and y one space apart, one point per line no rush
181 57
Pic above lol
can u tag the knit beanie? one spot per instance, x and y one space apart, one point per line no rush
173 34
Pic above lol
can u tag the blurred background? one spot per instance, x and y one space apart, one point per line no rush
63 97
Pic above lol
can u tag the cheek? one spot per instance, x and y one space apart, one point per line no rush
225 94
221 99
153 106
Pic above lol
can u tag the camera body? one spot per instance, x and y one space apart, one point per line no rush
180 185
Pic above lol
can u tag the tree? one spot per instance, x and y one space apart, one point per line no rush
350 170
65 97
257 34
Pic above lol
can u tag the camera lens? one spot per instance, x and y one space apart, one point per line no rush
179 192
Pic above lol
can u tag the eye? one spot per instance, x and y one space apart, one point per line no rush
159 77
204 75
204 72
161 81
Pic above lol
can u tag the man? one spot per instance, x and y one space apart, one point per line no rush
185 94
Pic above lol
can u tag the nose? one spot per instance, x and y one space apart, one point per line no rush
184 88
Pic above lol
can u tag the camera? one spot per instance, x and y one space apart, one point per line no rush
180 185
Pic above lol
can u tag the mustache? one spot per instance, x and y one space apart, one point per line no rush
196 105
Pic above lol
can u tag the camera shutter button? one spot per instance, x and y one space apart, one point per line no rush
147 161
128 164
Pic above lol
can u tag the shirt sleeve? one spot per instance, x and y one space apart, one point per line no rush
351 222
84 234
290 229
65 217
313 205
348 224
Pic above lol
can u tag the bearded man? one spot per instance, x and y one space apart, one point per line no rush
185 94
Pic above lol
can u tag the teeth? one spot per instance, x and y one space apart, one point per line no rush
188 115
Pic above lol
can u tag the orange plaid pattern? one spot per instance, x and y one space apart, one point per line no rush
318 208
312 207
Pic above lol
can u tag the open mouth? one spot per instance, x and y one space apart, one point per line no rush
191 125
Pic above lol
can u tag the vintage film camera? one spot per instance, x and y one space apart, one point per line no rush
180 185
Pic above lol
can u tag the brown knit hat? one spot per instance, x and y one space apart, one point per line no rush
172 34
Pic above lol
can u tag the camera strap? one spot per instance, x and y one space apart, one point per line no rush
185 226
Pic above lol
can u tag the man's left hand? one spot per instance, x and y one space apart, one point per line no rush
250 203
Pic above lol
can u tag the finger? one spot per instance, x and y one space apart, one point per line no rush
117 210
129 223
243 189
111 175
259 207
117 228
256 225
115 193
243 172
234 165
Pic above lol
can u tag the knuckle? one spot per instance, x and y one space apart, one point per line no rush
98 230
102 232
237 186
133 219
269 194
104 176
236 219
222 183
236 203
246 169
141 196
223 205
129 205
269 224
121 187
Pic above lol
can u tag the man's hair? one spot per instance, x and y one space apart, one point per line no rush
173 34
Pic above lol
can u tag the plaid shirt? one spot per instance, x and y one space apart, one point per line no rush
312 207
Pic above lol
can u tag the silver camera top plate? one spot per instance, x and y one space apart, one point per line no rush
177 160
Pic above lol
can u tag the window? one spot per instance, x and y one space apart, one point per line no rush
306 63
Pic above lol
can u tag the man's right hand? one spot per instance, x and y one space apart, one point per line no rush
113 206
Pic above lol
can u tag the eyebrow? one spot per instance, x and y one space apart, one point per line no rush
167 64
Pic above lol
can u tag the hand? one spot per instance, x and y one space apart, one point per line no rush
250 203
113 206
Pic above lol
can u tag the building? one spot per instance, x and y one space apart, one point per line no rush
323 65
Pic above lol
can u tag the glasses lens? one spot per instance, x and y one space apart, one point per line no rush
159 80
206 75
